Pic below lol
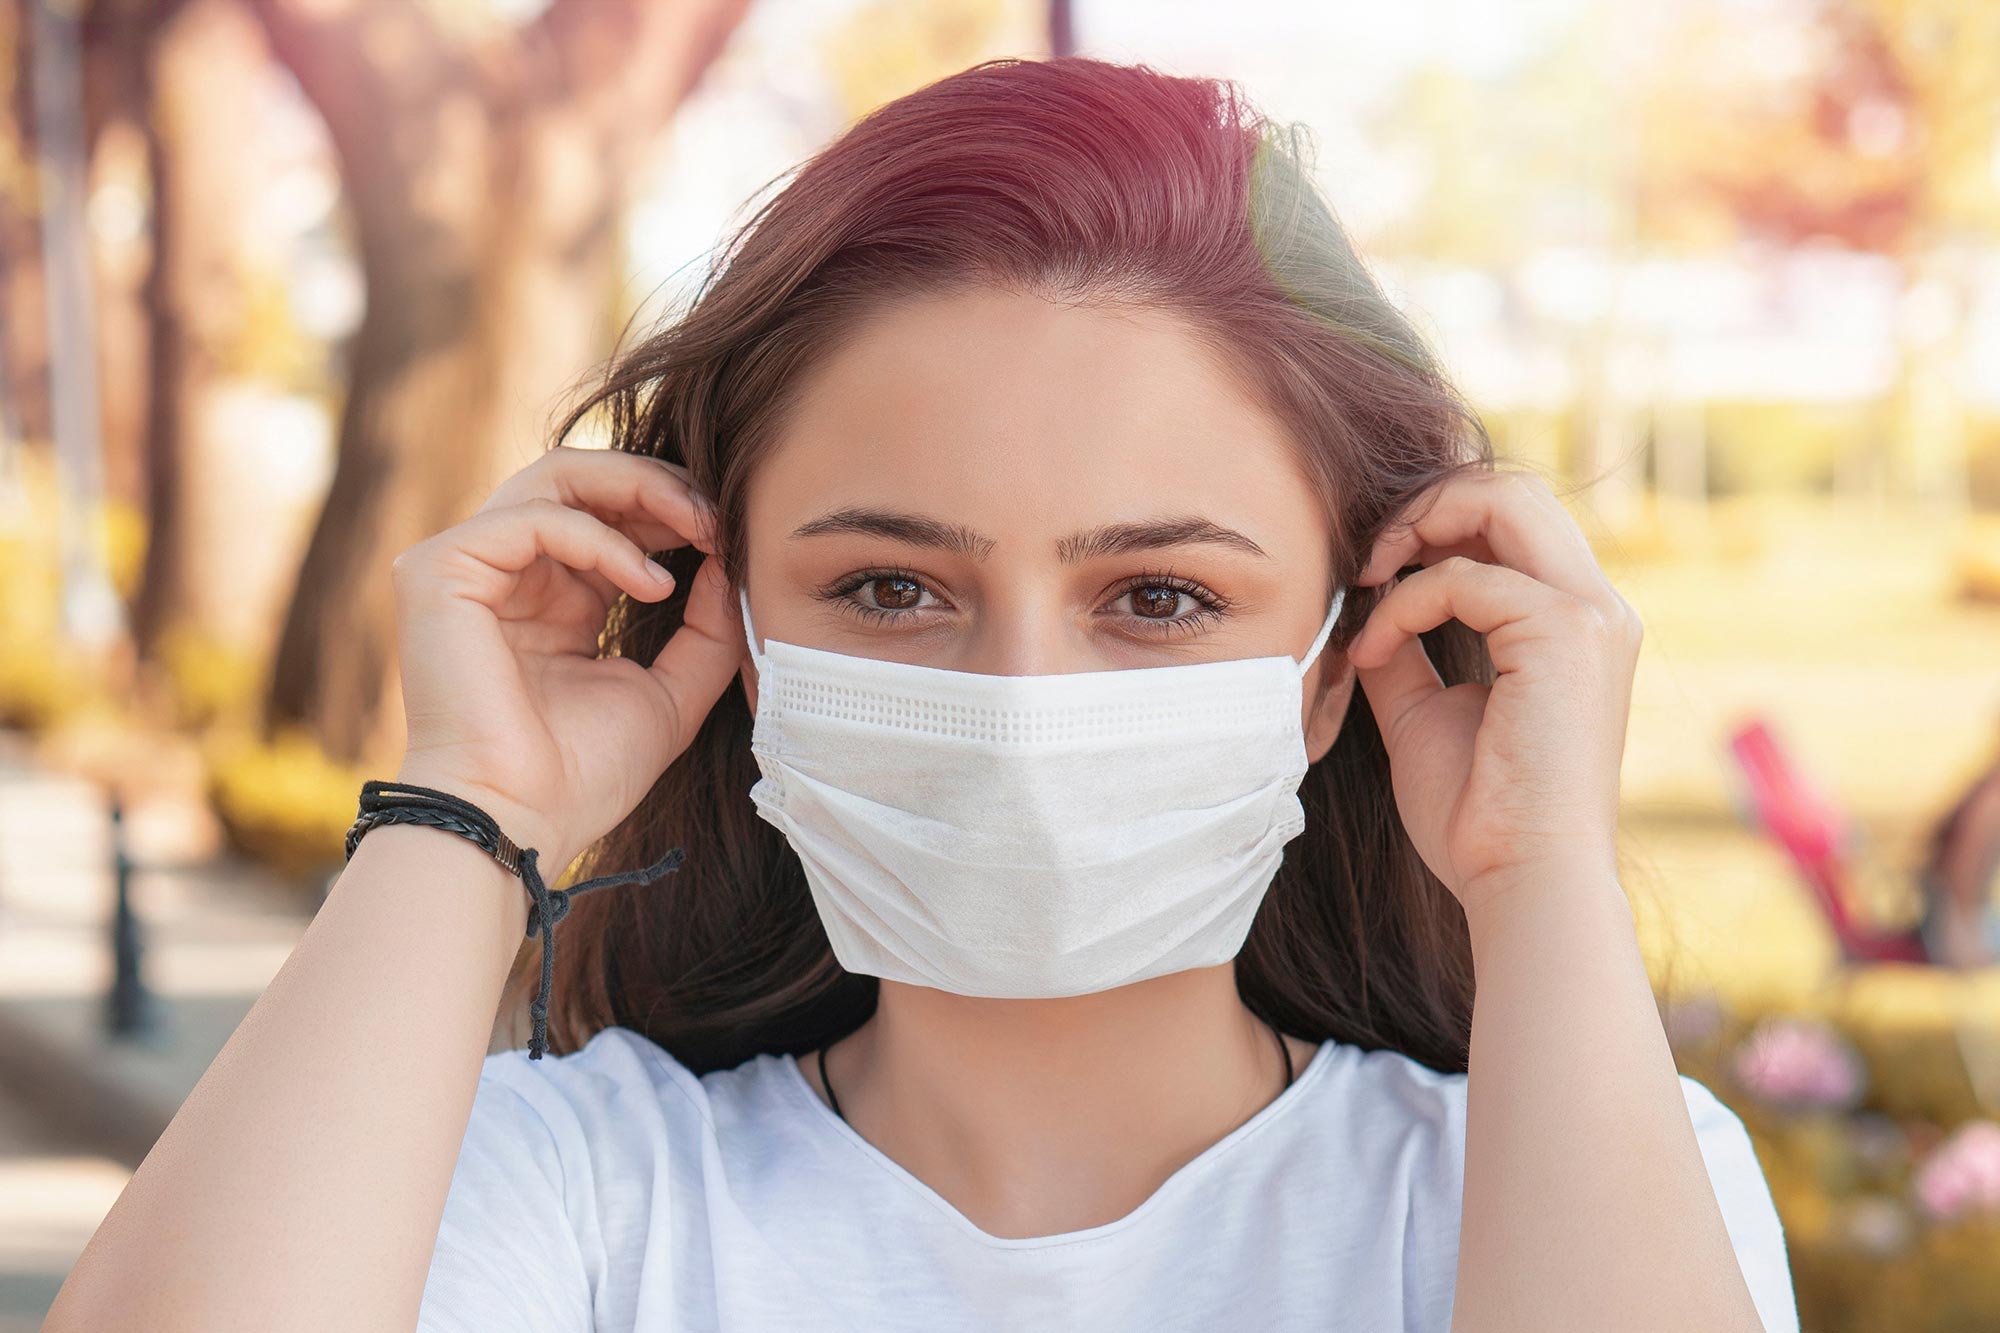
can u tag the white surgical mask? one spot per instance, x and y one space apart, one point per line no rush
1031 836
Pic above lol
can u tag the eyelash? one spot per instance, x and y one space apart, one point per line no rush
1212 604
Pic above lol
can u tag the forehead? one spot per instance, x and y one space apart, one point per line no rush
1013 413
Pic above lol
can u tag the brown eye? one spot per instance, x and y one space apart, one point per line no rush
1169 604
884 596
896 594
1156 602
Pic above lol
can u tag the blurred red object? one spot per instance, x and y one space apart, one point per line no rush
1815 834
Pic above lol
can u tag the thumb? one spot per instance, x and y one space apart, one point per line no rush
696 665
1396 686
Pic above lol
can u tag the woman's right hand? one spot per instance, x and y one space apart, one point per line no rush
508 704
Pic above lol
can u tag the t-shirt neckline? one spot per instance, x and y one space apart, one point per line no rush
1200 1164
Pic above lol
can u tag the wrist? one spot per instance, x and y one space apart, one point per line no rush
1571 889
522 824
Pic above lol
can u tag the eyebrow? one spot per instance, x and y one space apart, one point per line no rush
1090 544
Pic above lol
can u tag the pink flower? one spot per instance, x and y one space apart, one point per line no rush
1797 1063
1962 1174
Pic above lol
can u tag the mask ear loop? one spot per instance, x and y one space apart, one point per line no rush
1325 630
749 634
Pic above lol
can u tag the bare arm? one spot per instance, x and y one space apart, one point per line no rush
1585 1188
302 1184
307 1171
1587 1202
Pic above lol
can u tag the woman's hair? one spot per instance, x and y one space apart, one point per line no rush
1079 181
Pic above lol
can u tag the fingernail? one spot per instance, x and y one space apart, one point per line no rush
658 571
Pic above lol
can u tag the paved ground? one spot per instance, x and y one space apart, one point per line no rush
78 1108
56 1191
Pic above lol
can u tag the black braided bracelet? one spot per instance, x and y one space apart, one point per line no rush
407 803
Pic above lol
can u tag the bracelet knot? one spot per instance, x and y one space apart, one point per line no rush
406 803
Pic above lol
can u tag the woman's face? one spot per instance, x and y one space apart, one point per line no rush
990 482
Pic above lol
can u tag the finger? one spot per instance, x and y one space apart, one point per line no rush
1403 540
697 663
1424 555
506 541
613 483
649 534
1514 517
1487 598
1399 684
604 590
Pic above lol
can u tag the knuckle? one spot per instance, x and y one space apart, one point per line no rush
546 507
1623 618
1582 615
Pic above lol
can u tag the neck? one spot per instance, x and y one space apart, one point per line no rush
1035 1117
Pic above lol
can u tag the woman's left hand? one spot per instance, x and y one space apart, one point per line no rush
1499 785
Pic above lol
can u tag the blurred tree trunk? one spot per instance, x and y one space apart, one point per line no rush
143 60
486 178
24 355
1062 29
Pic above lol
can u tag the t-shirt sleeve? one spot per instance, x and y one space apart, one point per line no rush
506 1260
1747 1207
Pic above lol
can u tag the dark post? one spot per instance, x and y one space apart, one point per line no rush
128 1009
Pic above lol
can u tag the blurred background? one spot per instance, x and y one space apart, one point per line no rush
286 285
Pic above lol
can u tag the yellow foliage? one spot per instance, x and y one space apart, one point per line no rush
887 48
43 679
1785 446
284 801
1945 1282
121 531
210 681
42 684
1979 559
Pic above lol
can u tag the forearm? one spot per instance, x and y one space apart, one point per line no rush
302 1182
1587 1203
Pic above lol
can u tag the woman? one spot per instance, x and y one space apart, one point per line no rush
1086 868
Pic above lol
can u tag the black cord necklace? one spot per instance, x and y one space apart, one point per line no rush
1283 1049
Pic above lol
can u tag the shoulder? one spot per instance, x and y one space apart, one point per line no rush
1396 1093
621 1094
614 1061
1386 1094
552 1147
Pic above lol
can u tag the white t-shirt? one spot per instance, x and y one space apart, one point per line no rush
613 1189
